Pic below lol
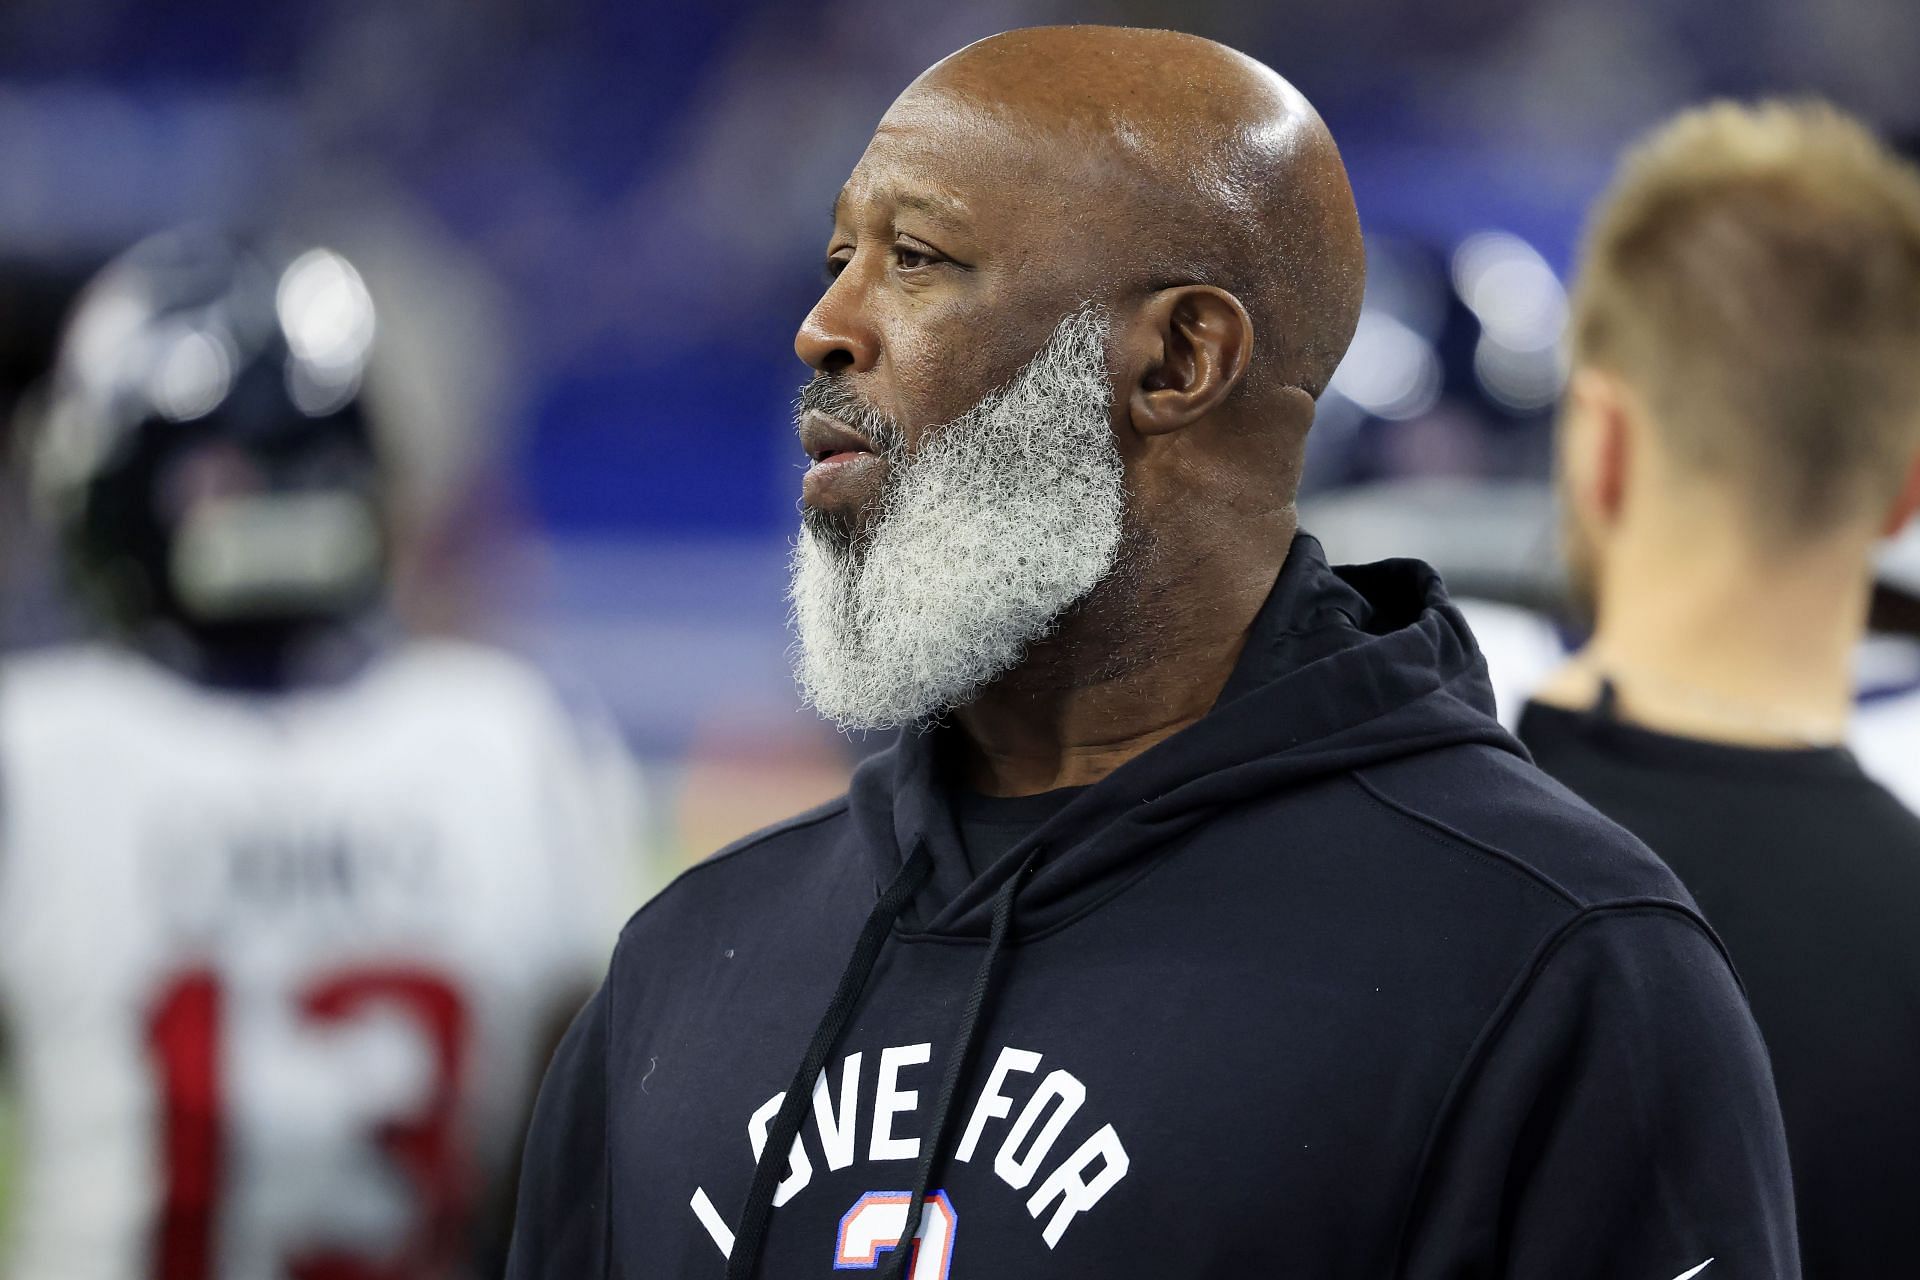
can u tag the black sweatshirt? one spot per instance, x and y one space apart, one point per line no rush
1333 983
1811 872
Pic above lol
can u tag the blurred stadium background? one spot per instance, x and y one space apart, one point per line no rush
600 221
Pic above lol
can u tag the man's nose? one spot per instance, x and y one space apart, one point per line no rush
835 337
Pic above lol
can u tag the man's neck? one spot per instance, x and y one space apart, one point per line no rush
1116 680
1726 645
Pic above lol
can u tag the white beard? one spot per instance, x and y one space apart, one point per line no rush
1004 519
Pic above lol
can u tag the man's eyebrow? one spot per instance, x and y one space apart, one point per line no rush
941 208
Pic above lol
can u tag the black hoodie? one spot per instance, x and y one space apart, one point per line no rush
1332 983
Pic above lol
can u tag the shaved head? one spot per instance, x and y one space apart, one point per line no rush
1228 174
1085 285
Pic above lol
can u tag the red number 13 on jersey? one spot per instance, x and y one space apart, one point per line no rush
184 1038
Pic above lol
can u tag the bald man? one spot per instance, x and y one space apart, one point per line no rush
1201 922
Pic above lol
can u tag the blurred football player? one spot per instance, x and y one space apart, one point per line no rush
289 904
1523 648
1741 430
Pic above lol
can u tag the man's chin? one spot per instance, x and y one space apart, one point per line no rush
838 531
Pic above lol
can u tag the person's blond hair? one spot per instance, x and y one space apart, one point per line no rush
1753 272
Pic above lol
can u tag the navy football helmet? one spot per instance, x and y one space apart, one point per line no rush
207 452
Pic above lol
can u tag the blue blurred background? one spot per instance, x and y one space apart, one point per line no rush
607 219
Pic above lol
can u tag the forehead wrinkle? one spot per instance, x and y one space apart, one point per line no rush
1010 156
931 200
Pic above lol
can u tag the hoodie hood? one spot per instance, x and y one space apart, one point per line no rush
1342 668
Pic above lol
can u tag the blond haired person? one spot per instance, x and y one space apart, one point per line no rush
1740 431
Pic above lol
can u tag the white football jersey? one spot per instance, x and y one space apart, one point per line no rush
277 972
1523 648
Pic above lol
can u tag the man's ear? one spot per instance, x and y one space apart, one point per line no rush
1906 504
1596 445
1185 351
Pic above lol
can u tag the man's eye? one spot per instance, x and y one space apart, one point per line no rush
833 268
912 259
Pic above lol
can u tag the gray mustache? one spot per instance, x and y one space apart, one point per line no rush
832 395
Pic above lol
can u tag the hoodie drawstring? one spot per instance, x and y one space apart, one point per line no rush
755 1216
932 1148
786 1124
